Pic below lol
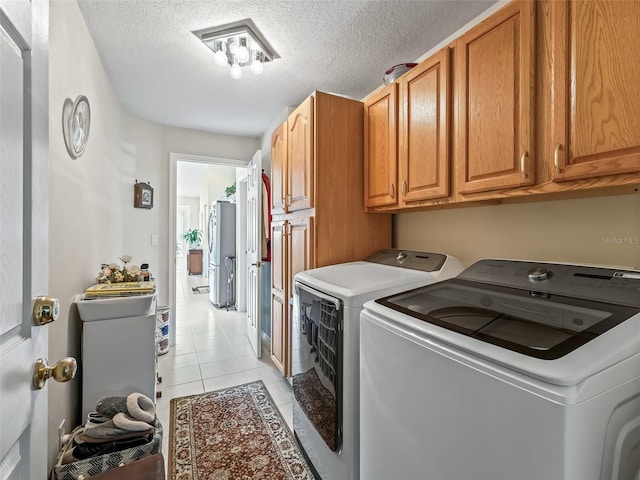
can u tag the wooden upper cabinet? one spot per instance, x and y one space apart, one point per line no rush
380 149
279 168
424 130
299 193
596 88
495 80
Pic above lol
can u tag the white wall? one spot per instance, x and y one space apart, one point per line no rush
219 178
87 195
150 146
599 230
194 208
92 218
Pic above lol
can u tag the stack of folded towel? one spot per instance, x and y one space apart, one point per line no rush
117 423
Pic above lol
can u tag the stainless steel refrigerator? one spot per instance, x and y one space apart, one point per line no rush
222 253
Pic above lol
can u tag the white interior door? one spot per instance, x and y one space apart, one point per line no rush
254 250
23 256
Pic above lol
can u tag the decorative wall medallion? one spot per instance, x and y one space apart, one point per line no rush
76 122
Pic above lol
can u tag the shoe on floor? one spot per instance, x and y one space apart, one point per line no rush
135 405
94 419
110 432
89 450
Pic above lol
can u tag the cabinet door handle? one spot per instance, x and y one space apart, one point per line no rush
288 200
556 158
404 187
392 190
523 161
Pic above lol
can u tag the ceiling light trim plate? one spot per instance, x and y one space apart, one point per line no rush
247 26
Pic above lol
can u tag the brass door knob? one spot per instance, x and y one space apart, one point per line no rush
45 310
63 371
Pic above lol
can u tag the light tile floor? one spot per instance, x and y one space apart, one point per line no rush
212 351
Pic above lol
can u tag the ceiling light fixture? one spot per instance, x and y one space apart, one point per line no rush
237 45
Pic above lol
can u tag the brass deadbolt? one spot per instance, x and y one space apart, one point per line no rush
45 310
63 371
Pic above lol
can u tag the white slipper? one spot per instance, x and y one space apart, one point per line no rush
126 422
135 405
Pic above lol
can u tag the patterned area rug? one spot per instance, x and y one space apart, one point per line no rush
318 404
231 434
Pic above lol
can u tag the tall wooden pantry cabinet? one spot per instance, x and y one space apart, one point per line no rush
317 174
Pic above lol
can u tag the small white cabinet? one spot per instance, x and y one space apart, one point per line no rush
119 355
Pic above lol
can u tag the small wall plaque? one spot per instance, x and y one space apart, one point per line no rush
143 195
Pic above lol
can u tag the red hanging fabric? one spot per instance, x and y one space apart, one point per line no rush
266 218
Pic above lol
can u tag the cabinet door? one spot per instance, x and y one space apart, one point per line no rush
596 88
424 130
300 257
194 262
495 75
300 247
380 148
278 258
299 194
279 169
279 338
279 294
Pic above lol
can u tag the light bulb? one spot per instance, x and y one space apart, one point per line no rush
235 71
242 53
233 46
220 58
256 67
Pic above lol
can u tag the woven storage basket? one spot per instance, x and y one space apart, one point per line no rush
102 463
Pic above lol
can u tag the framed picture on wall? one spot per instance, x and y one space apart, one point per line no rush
143 195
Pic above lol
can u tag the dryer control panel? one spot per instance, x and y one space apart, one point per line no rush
424 261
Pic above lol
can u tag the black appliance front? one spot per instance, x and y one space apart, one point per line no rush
317 361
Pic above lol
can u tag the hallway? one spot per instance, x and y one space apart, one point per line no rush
212 351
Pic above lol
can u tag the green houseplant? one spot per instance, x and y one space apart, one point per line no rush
193 237
230 190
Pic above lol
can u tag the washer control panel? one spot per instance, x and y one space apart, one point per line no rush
603 284
537 274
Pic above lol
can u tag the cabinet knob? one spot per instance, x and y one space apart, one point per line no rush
392 190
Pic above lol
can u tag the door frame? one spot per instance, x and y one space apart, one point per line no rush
241 241
174 158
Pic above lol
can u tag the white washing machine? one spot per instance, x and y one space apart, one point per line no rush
327 305
512 370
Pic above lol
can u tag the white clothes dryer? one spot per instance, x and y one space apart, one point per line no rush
512 370
327 305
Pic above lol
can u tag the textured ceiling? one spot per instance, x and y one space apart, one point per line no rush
161 72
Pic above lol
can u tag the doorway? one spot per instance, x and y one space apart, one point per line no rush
198 196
